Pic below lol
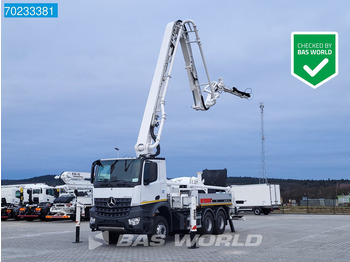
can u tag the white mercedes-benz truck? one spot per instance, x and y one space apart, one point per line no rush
133 195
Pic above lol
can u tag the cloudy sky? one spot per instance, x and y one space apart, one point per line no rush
75 87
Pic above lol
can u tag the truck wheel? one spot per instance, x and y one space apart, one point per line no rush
44 212
87 214
207 224
257 211
266 211
110 237
160 227
220 223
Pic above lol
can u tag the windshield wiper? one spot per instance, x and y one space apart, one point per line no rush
118 180
105 182
113 166
126 167
125 184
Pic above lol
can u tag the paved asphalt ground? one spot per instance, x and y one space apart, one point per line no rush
276 237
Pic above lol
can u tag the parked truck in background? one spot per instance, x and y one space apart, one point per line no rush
26 201
64 206
10 200
259 198
37 201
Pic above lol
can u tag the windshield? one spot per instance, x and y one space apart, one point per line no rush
64 199
18 194
118 173
37 191
50 192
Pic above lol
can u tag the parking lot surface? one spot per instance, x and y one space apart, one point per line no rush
276 237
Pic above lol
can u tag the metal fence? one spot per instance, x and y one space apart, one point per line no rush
317 206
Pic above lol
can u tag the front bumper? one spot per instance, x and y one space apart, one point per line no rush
121 224
28 216
57 217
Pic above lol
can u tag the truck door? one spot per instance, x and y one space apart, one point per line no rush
151 190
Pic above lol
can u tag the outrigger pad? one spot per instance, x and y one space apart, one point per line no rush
215 177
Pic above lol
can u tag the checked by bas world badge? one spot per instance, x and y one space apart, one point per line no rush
314 57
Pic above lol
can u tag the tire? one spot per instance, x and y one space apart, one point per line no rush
207 224
266 211
87 214
110 237
160 227
44 212
257 211
16 216
72 217
220 223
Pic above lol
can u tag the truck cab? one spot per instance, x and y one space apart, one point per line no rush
127 193
36 201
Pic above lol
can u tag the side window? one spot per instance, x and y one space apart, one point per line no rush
154 173
37 191
50 192
150 173
18 194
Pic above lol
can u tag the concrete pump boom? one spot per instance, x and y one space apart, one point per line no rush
184 33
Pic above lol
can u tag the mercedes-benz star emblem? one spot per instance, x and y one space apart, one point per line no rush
111 202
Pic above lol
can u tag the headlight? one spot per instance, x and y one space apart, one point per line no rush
134 221
92 220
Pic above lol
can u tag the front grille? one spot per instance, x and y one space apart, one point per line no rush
120 209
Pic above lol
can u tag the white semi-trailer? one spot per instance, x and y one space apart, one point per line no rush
133 195
259 198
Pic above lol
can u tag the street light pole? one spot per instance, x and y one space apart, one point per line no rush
116 148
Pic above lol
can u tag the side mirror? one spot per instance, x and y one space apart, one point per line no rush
150 173
30 200
92 177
